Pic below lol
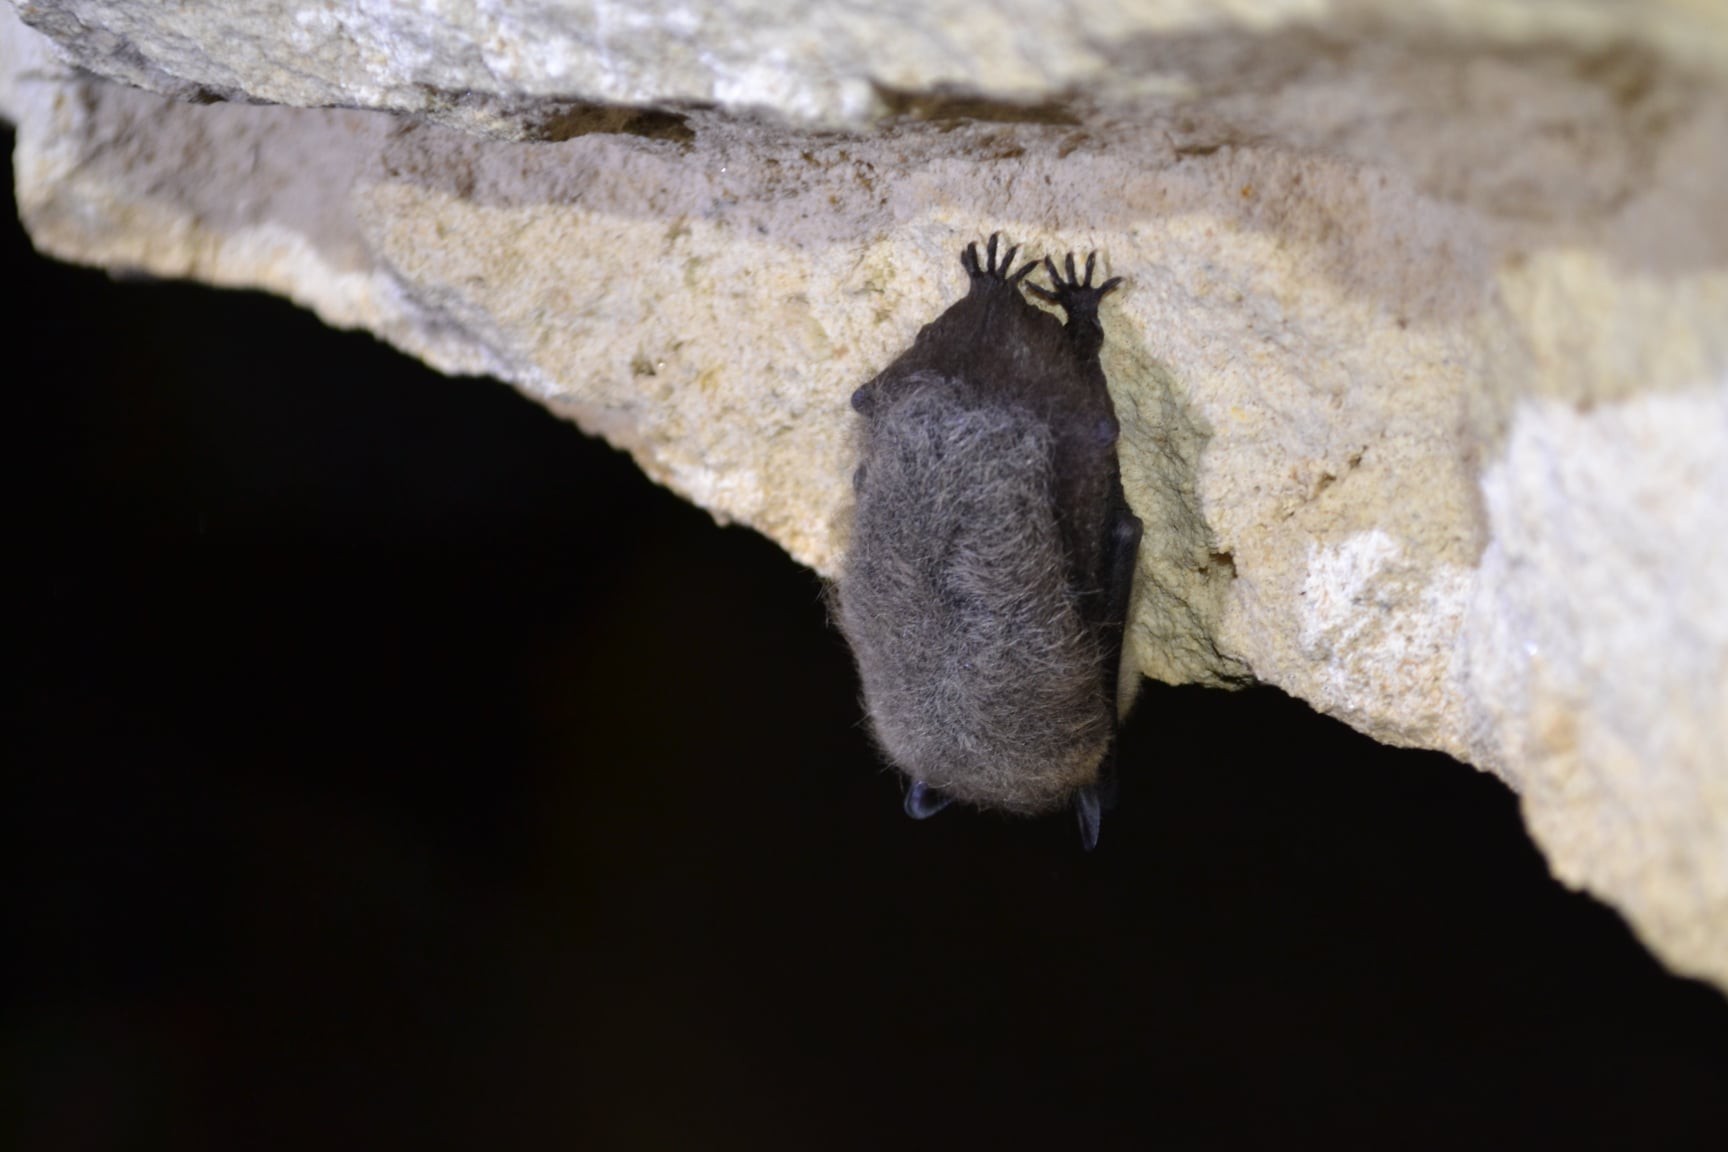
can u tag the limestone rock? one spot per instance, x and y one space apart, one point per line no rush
1422 361
546 69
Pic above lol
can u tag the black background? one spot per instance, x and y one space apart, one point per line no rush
386 761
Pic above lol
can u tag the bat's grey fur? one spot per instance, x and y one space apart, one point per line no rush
987 578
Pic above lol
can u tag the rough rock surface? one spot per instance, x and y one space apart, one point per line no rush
1422 361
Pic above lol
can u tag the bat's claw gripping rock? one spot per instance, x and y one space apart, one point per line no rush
1074 293
994 271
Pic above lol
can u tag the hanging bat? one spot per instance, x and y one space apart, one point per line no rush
988 577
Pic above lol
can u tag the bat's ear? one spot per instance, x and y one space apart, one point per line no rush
1089 813
923 802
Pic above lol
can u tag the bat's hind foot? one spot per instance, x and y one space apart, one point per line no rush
1075 294
993 272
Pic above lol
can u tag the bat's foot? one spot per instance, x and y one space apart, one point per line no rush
993 273
923 802
1089 814
1073 294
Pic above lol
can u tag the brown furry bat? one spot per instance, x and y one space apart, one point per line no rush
992 552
